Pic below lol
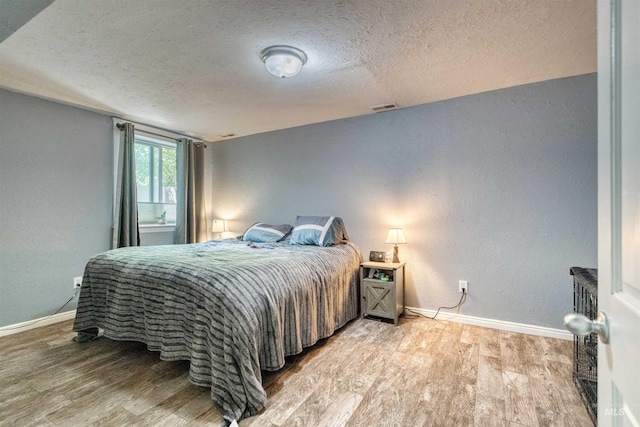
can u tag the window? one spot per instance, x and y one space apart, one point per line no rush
155 180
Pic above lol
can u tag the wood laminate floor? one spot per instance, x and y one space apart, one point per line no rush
420 373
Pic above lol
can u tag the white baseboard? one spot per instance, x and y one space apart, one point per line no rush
36 323
451 317
522 328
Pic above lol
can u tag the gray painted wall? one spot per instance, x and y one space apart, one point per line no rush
498 189
55 201
157 238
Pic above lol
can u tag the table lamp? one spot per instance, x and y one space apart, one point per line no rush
219 226
395 237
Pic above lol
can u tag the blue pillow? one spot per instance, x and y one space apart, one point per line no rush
319 231
266 233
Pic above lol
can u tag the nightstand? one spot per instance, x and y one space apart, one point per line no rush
380 296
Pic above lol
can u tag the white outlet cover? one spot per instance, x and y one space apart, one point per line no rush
462 284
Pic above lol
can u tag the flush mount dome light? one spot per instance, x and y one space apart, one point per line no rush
283 61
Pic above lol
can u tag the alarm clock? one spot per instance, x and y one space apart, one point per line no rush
377 256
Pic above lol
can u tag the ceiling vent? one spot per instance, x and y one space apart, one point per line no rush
229 135
383 107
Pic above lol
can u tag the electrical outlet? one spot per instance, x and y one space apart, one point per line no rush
462 286
77 282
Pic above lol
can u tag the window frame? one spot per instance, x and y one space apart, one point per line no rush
155 185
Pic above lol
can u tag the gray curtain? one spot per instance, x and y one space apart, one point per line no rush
191 221
126 232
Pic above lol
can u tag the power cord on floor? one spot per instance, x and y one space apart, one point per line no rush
463 298
44 318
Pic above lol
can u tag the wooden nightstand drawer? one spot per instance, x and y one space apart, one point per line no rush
378 298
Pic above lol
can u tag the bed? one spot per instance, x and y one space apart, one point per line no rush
231 308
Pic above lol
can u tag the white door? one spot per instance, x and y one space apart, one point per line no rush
619 210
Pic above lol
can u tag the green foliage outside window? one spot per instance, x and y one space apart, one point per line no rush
150 160
142 164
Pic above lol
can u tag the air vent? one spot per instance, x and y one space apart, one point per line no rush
229 135
383 107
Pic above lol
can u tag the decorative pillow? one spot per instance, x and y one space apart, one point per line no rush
266 233
319 231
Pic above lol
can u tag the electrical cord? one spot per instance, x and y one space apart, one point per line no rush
44 318
463 298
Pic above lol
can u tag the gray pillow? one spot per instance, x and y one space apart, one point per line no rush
318 231
266 233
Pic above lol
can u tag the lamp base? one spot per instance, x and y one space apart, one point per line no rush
395 254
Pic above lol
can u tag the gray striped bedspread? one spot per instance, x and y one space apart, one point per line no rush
232 310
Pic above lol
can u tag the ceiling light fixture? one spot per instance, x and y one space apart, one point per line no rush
283 61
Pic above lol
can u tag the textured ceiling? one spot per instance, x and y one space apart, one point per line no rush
193 65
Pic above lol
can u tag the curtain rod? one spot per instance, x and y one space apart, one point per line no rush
163 129
200 141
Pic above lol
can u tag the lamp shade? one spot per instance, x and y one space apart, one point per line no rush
395 236
283 61
219 226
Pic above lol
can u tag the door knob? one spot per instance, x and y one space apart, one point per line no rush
581 325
